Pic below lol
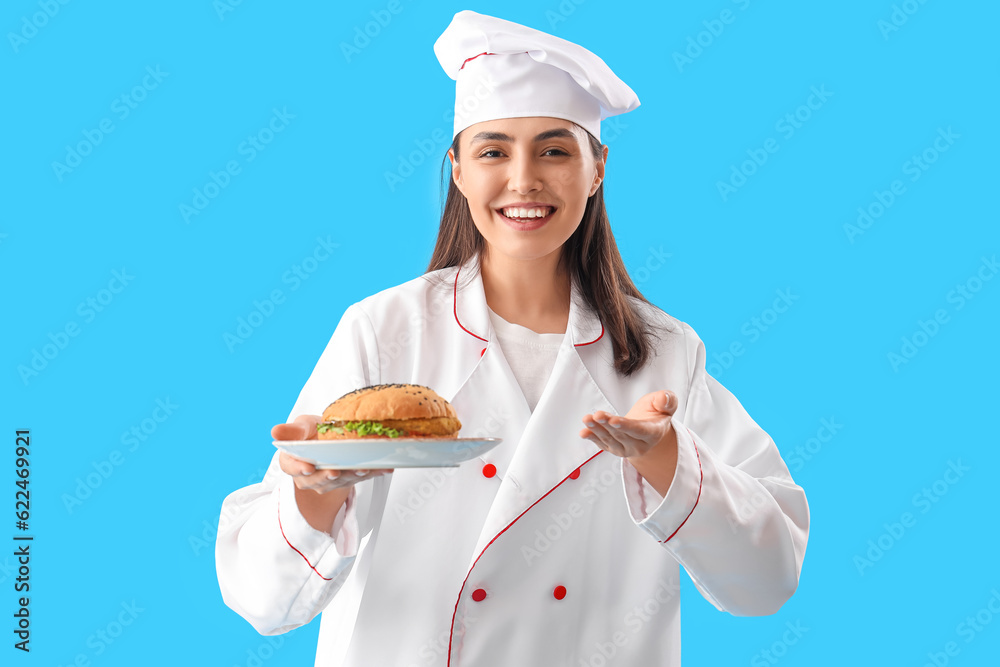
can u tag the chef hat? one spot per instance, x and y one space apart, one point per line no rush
506 70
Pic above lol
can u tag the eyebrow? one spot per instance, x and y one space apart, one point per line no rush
560 133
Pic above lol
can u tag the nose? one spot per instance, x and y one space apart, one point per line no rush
524 174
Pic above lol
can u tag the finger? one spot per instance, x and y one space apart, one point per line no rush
325 480
295 466
601 417
309 422
665 401
294 431
625 434
366 473
633 435
604 438
626 430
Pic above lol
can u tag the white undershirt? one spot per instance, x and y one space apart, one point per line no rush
531 356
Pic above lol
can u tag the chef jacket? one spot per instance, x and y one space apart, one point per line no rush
545 550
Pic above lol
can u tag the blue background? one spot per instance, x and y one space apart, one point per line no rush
142 533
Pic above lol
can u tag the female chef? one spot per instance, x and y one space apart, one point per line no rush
621 459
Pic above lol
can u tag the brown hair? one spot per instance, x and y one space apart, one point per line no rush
590 253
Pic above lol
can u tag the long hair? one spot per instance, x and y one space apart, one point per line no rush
591 255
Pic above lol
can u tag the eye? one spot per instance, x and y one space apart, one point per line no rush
557 151
487 153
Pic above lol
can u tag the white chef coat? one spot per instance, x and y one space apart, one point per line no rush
530 355
560 557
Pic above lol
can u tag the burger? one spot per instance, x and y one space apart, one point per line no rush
389 411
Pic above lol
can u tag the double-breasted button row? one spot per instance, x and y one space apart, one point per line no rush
559 592
490 470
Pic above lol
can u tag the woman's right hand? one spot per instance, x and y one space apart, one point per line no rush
304 474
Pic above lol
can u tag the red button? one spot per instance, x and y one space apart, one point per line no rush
489 470
479 595
483 352
575 474
559 593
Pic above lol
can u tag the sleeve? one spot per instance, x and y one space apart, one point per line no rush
733 516
274 569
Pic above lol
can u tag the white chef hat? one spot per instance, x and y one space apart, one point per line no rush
506 70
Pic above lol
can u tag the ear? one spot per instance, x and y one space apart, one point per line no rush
599 170
456 170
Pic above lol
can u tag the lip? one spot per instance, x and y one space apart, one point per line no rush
534 223
527 204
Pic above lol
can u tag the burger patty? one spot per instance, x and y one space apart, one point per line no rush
434 426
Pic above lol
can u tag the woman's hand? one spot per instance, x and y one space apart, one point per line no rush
304 474
645 436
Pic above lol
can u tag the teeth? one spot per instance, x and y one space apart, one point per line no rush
527 212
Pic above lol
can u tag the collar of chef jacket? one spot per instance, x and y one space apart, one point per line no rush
549 449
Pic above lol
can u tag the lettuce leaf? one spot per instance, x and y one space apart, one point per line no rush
362 428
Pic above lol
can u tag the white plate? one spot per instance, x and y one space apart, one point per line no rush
374 453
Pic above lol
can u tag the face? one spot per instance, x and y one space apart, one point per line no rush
539 164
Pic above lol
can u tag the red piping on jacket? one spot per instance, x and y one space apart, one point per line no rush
455 303
451 631
290 544
700 480
455 310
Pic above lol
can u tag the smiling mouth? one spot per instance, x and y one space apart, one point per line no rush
532 214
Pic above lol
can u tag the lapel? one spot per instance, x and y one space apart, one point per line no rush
543 447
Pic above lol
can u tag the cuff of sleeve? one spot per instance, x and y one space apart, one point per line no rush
662 517
310 543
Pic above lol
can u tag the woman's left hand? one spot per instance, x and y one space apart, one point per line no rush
645 427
